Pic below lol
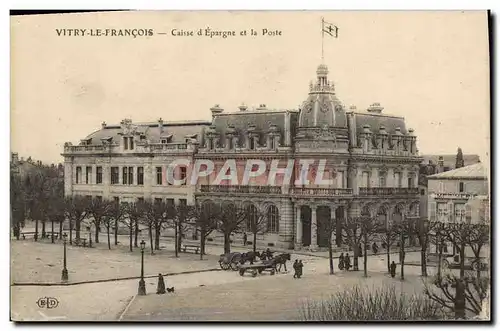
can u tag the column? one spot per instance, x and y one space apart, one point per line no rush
106 180
314 228
298 227
334 224
287 132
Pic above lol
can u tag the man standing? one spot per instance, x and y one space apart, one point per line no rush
245 239
160 289
296 268
300 265
393 269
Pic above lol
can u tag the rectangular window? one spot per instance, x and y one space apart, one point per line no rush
461 187
159 177
366 179
410 182
442 212
88 175
271 143
78 174
170 203
183 174
125 143
131 143
252 144
99 198
182 202
116 200
115 175
340 179
210 143
131 175
158 200
124 175
441 187
397 179
140 175
98 175
459 212
382 180
140 200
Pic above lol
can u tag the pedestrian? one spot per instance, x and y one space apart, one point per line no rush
245 239
296 268
347 261
160 289
341 261
374 248
360 250
393 269
300 267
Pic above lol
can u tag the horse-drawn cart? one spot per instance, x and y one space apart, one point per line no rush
229 261
255 269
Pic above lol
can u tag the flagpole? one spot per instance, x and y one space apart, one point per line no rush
322 38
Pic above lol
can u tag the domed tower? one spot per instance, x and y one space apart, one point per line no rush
322 116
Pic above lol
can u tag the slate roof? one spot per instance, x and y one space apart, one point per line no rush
375 121
179 131
261 119
474 171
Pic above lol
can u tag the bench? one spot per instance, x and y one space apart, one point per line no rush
49 235
25 234
80 242
191 248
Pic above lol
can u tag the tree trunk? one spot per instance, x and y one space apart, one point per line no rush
136 232
462 260
116 231
157 236
402 257
109 239
365 257
254 242
176 243
459 301
97 226
202 243
60 229
440 259
150 230
179 239
71 232
423 257
36 230
330 254
355 258
43 230
388 257
131 234
77 229
52 234
227 244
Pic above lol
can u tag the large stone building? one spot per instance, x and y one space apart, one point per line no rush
370 158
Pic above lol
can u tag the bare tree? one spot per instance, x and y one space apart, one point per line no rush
230 220
77 208
155 215
369 227
116 213
98 209
352 232
424 231
405 228
57 214
256 221
204 218
179 217
134 215
462 293
389 235
17 204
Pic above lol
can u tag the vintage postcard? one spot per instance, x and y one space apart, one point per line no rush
250 166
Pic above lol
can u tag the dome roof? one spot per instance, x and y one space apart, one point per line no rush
322 107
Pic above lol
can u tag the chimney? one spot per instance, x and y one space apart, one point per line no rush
262 106
353 108
160 124
216 110
375 108
243 107
15 157
103 125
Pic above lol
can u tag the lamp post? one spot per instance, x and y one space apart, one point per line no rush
64 276
142 284
90 236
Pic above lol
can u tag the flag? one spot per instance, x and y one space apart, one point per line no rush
331 29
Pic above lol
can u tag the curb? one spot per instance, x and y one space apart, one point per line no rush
112 279
127 307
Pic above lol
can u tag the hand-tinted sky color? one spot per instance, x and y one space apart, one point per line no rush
430 67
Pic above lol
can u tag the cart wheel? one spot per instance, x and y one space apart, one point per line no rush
272 272
254 273
234 266
242 272
221 265
475 266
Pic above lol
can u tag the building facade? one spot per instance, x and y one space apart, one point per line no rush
369 158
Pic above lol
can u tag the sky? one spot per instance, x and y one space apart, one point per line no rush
430 67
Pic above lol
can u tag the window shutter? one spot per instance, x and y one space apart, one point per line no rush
432 207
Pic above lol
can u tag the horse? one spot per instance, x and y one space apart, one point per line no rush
249 256
280 260
266 255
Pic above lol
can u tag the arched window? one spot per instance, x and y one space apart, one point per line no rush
251 217
273 219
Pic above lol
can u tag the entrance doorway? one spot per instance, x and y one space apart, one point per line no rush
305 215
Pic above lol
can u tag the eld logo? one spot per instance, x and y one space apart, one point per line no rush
47 302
